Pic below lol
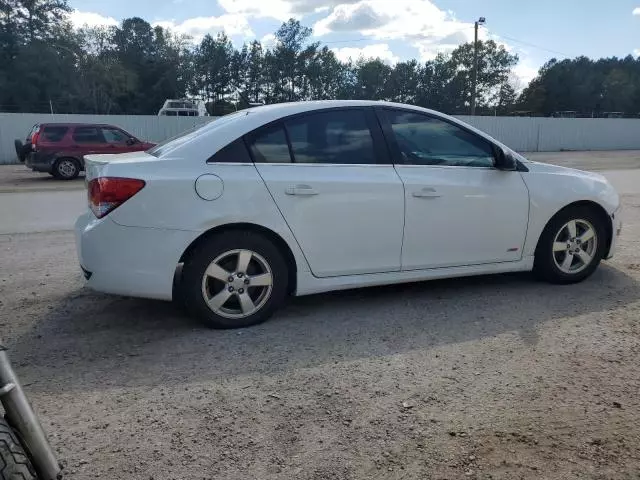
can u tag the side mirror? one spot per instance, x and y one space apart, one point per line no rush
504 160
132 141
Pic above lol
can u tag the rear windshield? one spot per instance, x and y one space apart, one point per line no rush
172 143
53 134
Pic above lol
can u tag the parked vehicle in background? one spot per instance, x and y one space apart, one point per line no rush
59 148
308 197
183 108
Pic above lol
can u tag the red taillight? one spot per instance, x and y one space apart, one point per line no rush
108 193
34 140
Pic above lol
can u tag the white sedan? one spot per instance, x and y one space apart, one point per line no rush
301 198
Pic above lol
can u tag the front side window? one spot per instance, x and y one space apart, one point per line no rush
87 135
113 135
425 140
339 137
269 145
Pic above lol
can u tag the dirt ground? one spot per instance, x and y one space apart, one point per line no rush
497 377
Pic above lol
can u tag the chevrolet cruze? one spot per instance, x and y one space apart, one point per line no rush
300 198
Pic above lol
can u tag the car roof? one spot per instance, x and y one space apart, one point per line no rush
284 109
64 124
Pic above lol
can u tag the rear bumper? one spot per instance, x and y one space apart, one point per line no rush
131 261
40 162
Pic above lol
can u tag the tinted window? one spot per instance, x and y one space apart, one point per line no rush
339 136
235 152
270 146
87 135
53 134
112 135
425 140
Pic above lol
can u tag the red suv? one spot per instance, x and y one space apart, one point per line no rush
58 148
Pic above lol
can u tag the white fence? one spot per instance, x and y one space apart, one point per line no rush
522 134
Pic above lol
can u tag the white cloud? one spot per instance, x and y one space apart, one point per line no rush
279 9
636 11
80 19
636 52
378 50
422 24
524 73
198 27
268 41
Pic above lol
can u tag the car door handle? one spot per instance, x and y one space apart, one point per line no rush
427 192
300 190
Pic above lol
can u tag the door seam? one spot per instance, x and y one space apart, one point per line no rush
404 219
285 221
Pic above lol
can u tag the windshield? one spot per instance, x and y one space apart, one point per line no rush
172 143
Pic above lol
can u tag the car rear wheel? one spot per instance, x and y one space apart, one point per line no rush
234 280
571 246
66 169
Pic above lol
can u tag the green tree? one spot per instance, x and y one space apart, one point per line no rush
289 60
213 64
372 77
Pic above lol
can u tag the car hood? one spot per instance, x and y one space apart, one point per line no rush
546 168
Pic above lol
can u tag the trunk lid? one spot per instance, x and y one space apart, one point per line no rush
101 165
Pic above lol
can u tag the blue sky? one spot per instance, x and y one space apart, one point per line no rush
401 29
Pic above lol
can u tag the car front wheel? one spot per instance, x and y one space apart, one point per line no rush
572 246
234 280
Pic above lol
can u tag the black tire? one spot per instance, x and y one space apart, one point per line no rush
197 263
545 264
14 462
66 168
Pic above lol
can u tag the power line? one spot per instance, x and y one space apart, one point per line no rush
522 42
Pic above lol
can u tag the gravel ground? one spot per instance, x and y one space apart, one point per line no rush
496 377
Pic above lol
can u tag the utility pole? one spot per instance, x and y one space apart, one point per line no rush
474 86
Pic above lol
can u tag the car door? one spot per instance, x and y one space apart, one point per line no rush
329 174
460 210
116 140
89 140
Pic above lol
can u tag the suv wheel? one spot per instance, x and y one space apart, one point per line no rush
66 169
234 280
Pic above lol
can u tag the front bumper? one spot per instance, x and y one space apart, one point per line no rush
131 261
616 224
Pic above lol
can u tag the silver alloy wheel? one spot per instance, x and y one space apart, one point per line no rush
575 246
67 168
237 283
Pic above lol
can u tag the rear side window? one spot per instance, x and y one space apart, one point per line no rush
340 137
53 134
235 152
269 145
87 135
